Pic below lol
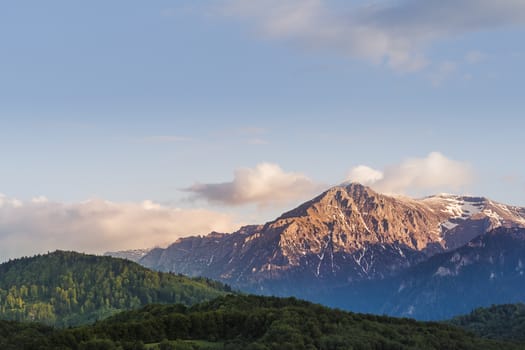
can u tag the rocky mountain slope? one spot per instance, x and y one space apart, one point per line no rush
488 270
345 235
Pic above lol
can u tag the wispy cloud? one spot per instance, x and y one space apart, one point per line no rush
97 225
397 33
252 130
257 141
166 139
444 71
473 57
253 135
433 173
263 185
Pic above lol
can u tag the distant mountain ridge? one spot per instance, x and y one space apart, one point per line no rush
132 254
488 270
345 235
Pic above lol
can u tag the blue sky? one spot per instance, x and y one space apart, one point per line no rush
124 102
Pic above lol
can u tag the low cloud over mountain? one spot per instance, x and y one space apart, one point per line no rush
265 184
97 225
432 173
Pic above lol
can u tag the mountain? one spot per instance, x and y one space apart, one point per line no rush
133 254
246 322
68 288
488 270
503 322
346 235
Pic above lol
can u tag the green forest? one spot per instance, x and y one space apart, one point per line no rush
68 288
68 300
245 322
506 322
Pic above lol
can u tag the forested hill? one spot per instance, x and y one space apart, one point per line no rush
247 323
505 322
68 288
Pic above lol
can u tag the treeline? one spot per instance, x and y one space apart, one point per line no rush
506 322
68 288
252 323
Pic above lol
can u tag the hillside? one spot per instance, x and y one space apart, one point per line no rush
16 335
68 288
252 322
504 322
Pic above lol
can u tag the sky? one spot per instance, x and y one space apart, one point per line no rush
129 124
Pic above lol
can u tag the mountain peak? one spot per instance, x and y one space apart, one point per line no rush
356 187
349 232
336 196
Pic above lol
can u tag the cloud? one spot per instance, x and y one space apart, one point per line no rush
415 175
254 135
393 32
443 72
265 184
257 141
365 175
97 226
166 139
252 130
474 57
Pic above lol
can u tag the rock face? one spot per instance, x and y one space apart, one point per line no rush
488 270
345 235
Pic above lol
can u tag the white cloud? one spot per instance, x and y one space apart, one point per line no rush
40 199
415 175
395 32
265 184
364 175
97 226
9 202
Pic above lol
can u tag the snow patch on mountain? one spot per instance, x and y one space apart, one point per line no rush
462 207
444 271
